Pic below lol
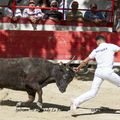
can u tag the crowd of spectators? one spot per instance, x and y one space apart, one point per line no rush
36 15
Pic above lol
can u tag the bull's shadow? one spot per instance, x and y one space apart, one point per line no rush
100 110
49 107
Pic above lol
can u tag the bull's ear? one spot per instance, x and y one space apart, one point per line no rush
64 66
61 64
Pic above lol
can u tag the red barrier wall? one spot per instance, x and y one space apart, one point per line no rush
60 45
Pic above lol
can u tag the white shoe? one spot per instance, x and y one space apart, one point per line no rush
73 108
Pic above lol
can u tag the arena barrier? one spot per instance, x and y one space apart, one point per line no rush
49 39
51 44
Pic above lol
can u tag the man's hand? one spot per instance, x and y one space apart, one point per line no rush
76 69
82 64
33 19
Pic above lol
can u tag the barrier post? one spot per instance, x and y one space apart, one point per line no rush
112 18
13 6
63 7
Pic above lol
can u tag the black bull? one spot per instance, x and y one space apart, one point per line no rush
31 75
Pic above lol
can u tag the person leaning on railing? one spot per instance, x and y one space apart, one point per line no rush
43 4
32 14
12 14
74 14
53 13
94 16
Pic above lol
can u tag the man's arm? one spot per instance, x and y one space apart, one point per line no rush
82 64
119 50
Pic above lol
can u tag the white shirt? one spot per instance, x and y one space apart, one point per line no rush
9 12
36 13
104 54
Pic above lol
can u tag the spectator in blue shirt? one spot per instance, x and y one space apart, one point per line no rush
93 15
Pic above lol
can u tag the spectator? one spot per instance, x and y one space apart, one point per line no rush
54 14
108 15
93 15
33 14
13 14
59 1
43 3
74 14
22 2
1 12
117 18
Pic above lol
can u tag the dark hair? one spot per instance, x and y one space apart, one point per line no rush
40 2
93 5
31 2
100 37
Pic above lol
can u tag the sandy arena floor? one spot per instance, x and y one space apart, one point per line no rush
56 104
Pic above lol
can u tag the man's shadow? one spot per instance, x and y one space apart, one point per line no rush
100 110
49 107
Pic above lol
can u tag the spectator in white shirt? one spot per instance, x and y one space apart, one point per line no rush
33 14
13 15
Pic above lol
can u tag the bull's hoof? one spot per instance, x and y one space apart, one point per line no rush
22 106
39 105
19 104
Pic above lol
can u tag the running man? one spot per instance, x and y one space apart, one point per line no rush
104 56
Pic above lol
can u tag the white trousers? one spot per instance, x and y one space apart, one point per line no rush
101 74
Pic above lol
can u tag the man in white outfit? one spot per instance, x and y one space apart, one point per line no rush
104 56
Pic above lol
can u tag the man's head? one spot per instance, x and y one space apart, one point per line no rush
54 3
93 7
100 39
32 4
115 4
74 5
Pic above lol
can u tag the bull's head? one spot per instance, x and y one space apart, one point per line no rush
63 76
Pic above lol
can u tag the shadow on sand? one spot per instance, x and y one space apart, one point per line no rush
100 110
49 107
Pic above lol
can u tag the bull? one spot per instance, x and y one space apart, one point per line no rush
31 75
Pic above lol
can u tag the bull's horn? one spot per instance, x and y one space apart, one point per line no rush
67 64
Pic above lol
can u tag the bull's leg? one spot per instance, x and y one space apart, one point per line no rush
31 98
38 89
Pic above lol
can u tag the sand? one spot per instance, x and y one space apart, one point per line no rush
56 105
